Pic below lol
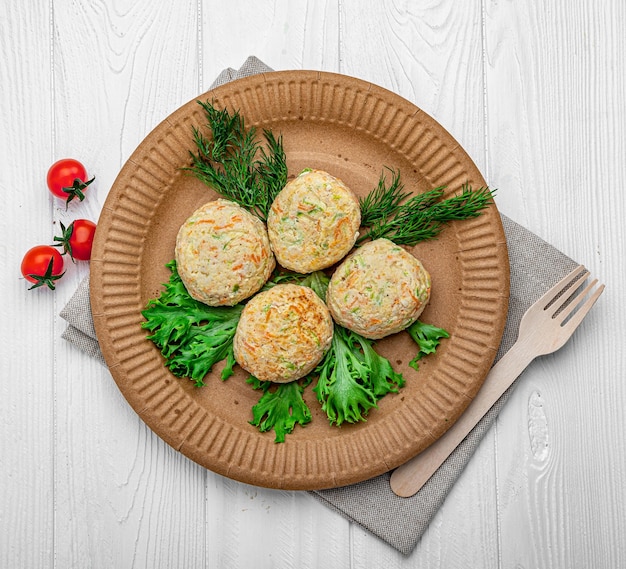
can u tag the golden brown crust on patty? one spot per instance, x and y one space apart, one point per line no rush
283 333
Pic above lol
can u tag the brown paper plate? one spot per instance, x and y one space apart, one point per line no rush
351 129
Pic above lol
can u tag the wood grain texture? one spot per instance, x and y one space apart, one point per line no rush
285 35
121 493
532 90
557 124
254 526
27 383
430 54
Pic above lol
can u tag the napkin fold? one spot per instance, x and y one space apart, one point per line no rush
535 266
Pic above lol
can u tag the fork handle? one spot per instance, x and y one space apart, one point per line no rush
407 479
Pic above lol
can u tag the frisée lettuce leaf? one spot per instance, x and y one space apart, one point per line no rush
427 337
353 377
349 381
191 335
281 407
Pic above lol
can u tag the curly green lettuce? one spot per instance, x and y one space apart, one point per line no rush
427 337
353 377
280 408
191 336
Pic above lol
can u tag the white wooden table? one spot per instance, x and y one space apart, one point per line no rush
534 91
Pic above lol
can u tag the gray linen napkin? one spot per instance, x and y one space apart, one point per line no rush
535 267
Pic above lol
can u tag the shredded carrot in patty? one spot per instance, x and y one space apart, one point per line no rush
338 229
225 226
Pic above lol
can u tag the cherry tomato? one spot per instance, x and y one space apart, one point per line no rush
67 179
77 239
42 265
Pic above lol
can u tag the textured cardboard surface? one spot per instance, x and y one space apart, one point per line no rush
353 130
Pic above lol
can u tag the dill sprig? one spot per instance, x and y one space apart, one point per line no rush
422 217
383 201
236 164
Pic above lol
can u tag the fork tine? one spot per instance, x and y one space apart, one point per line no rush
573 302
578 275
563 302
583 308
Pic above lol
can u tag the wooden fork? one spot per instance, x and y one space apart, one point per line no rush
545 327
